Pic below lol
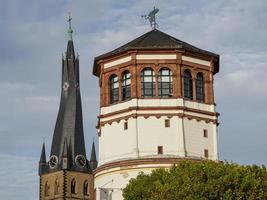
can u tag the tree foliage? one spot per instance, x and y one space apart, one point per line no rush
200 180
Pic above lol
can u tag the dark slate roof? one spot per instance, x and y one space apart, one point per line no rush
93 154
68 139
43 155
154 40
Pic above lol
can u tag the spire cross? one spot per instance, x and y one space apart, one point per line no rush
152 17
69 20
70 31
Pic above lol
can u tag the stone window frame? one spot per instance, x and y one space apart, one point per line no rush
114 95
200 87
125 85
73 186
188 85
160 80
152 83
86 188
177 71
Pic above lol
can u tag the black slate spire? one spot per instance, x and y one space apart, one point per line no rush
42 161
68 140
93 160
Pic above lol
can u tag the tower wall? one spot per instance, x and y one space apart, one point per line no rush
154 129
146 130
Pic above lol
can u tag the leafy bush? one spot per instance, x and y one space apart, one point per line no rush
201 180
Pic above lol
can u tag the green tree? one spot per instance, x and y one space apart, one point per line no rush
200 180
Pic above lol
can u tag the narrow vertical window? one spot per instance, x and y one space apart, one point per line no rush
205 133
148 83
188 90
125 125
46 191
56 187
165 83
86 188
126 85
206 153
200 91
160 149
73 188
167 123
114 89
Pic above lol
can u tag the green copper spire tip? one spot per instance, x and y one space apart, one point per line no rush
70 31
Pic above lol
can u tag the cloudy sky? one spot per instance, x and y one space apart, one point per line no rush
33 38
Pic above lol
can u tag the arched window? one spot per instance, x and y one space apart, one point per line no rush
200 91
126 85
148 83
56 187
46 189
86 188
165 83
73 188
188 90
114 88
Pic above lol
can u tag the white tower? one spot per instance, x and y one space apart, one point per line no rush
157 108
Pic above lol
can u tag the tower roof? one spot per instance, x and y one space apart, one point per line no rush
68 138
93 154
154 40
43 155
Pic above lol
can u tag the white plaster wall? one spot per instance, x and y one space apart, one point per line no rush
118 180
141 139
157 103
116 143
155 56
195 142
117 62
196 60
153 133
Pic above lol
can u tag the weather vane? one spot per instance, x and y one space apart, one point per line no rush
152 17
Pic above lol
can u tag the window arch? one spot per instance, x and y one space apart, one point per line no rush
86 188
148 82
73 188
165 83
56 187
200 90
126 85
188 90
114 88
46 189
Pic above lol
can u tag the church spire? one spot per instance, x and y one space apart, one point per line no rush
42 161
93 160
68 139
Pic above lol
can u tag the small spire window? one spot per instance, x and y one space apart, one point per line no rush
114 89
148 83
200 88
73 187
126 85
165 83
188 90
